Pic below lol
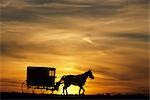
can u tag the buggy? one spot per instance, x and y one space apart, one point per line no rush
39 78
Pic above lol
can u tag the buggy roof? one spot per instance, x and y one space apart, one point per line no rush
40 68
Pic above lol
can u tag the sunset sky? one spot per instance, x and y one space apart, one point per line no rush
110 37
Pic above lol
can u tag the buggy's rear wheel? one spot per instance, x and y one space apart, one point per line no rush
42 91
27 89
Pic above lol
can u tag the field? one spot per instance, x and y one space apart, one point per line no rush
25 96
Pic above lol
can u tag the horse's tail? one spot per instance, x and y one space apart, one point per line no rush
56 87
62 79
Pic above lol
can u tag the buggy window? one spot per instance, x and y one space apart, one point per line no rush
51 73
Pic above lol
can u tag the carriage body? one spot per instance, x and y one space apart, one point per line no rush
40 78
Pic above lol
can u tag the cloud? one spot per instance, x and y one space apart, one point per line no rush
30 10
132 36
11 14
40 2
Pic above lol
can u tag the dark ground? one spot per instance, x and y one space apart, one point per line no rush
25 96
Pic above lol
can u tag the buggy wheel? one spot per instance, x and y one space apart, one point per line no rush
27 89
52 92
42 91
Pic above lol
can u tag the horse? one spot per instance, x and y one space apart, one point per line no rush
78 80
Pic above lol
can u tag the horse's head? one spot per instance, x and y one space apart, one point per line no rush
90 74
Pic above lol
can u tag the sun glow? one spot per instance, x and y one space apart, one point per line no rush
73 89
68 68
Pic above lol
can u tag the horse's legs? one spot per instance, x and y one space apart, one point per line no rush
79 90
66 92
82 89
65 88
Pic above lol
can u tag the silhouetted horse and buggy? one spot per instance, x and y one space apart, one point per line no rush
43 78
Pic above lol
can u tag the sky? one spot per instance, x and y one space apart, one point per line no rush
110 37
